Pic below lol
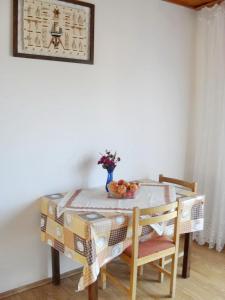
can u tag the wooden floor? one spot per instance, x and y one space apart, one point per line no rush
207 282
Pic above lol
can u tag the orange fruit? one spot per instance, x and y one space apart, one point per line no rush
133 187
121 189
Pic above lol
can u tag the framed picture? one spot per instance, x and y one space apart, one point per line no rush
60 30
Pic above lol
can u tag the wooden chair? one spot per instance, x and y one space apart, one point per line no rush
141 253
191 186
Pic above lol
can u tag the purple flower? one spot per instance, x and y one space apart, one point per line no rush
109 160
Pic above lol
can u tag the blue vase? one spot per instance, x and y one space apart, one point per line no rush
109 179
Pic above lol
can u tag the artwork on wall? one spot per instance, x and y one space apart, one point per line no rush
54 29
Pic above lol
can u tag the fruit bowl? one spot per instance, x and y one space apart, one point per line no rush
123 189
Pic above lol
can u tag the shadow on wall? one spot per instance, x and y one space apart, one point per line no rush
84 169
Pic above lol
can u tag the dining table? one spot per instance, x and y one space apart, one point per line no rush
88 227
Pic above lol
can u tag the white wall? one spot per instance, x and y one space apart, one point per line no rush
55 117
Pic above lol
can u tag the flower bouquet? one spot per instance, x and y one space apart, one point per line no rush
109 162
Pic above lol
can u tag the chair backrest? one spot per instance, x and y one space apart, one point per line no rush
189 185
152 216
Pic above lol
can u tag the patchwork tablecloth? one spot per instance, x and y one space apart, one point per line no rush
94 238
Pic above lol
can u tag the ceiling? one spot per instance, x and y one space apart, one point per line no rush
195 4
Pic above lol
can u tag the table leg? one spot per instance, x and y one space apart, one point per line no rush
55 267
93 291
187 255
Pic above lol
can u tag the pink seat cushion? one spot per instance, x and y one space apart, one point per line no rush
151 246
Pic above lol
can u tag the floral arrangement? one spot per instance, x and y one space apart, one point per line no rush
109 161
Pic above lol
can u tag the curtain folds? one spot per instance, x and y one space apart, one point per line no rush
209 162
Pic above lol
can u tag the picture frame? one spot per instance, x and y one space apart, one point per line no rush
60 30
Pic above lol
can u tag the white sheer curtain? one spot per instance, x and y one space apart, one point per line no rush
209 163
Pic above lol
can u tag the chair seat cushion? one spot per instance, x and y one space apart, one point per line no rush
151 246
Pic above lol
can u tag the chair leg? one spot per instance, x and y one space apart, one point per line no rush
162 265
173 275
133 281
140 271
103 278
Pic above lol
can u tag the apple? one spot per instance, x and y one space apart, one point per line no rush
121 182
